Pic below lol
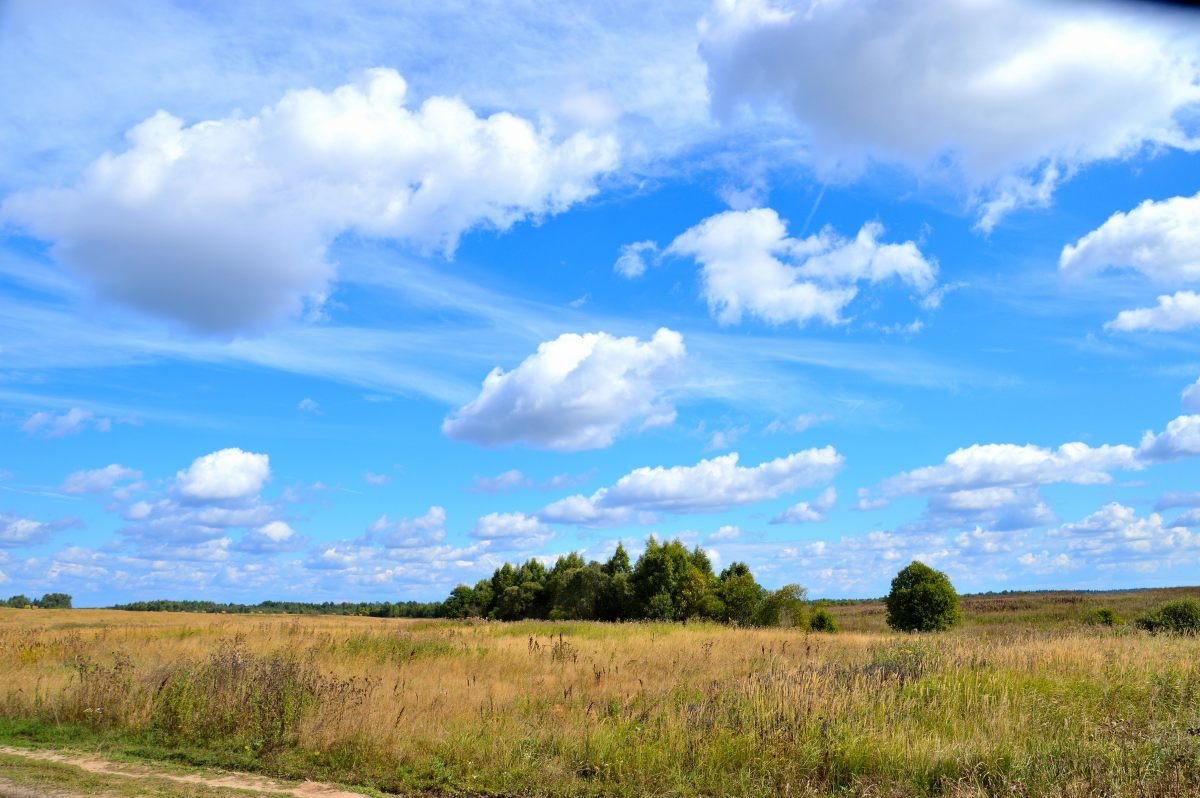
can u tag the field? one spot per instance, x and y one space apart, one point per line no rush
1022 700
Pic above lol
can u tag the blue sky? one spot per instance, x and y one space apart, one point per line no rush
359 302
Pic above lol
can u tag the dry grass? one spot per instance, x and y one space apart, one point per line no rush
1026 708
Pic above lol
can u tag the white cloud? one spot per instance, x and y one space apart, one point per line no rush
1115 536
271 538
224 224
508 480
974 88
377 480
809 512
709 486
631 262
1173 312
407 533
750 265
98 480
68 423
726 438
1159 239
307 405
225 474
727 532
1190 398
576 392
15 531
512 530
1005 464
1181 438
796 424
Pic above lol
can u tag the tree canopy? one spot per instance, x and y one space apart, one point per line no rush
922 600
669 582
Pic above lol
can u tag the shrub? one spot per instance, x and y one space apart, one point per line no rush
1175 617
822 621
922 600
1100 616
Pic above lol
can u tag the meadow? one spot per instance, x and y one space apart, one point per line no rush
1022 699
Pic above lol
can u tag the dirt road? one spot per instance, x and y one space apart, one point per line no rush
125 780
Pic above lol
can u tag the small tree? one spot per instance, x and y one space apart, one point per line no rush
19 601
922 600
1180 617
822 621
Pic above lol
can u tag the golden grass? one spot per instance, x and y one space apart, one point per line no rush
642 709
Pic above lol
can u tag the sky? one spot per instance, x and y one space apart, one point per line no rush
358 301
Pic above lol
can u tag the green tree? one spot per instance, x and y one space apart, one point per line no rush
822 621
740 594
461 602
18 601
618 563
783 607
922 600
55 601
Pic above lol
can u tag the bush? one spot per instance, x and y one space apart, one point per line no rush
1175 617
922 600
1100 616
822 621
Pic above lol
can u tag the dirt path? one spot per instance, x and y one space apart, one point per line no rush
236 781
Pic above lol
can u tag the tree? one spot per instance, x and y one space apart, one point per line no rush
740 594
18 601
55 601
783 607
822 621
922 600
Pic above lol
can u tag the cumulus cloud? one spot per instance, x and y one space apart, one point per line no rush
1181 438
225 474
727 532
407 533
975 88
749 265
271 538
809 512
72 421
16 531
1158 239
1005 464
224 224
1173 312
511 530
307 405
709 486
1114 536
631 262
576 392
99 480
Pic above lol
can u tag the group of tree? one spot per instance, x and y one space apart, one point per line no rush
50 601
668 582
376 609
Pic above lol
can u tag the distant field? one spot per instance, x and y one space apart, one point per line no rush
1022 700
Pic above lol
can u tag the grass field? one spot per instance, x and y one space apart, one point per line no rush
1022 700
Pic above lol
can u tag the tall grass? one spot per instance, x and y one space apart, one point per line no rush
1056 708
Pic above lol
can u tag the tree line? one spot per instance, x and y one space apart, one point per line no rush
50 601
375 609
668 582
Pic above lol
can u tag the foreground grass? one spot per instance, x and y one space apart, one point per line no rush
1037 705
